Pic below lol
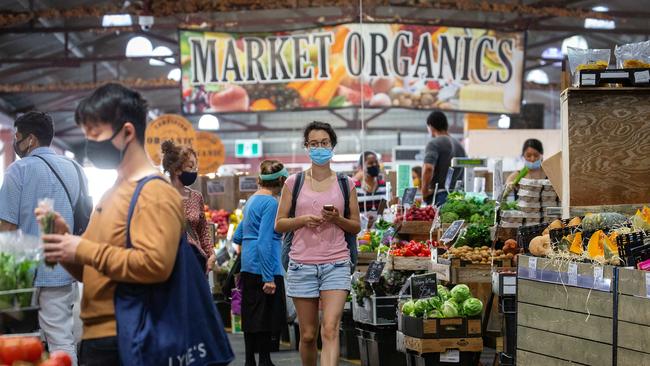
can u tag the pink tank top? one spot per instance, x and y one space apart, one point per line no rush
326 243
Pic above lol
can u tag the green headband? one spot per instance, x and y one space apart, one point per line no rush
276 175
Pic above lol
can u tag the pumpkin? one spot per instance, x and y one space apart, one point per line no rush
600 221
576 221
540 245
566 242
641 220
576 244
557 224
596 246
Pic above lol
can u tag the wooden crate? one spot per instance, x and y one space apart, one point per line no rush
604 127
408 263
560 324
633 318
363 258
559 272
422 346
416 227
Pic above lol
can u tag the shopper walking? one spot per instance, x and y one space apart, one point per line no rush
533 154
128 256
181 165
263 309
41 173
437 160
322 214
371 189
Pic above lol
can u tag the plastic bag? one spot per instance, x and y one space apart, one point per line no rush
633 55
587 59
19 258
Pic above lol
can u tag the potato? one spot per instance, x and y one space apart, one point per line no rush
485 247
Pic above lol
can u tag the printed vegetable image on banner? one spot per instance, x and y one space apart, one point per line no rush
377 65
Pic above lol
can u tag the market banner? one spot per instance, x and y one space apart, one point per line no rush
167 127
377 65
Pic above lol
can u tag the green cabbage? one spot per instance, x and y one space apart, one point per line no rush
408 307
449 309
460 293
443 293
421 307
435 302
433 314
472 307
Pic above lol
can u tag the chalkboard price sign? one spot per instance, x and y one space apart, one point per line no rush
452 231
375 268
222 256
424 286
409 196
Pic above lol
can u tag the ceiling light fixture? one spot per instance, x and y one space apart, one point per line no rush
600 9
592 23
161 51
139 46
208 122
537 76
174 74
504 121
116 20
575 42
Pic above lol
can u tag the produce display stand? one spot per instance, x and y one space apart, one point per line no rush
16 320
565 313
408 263
633 346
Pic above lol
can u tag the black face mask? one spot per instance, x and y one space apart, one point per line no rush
373 171
103 154
188 178
21 153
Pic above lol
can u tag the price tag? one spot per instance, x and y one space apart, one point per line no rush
452 231
573 274
532 267
647 284
451 356
409 196
598 274
222 256
424 286
375 268
642 76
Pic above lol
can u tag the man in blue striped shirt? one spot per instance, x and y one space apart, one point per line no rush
26 182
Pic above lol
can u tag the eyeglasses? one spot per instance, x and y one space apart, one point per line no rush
316 144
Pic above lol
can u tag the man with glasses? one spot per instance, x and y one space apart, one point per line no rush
26 182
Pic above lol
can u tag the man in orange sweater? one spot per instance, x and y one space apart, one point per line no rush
113 119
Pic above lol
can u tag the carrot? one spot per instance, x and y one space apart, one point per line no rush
307 91
329 87
339 39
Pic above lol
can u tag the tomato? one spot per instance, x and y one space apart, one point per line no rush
51 362
11 350
62 358
32 349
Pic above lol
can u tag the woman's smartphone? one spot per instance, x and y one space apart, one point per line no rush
328 207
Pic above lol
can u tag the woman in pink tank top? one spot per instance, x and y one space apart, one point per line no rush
319 266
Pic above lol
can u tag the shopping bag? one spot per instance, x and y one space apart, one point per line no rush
174 323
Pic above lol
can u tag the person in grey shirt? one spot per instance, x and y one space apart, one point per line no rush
437 159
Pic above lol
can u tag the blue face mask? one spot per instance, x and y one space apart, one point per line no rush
537 164
320 155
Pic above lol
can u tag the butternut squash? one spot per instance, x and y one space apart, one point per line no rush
576 221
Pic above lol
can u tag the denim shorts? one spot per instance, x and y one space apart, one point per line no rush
308 280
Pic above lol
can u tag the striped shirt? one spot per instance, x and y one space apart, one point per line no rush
26 182
369 201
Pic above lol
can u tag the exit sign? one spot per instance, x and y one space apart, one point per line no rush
248 148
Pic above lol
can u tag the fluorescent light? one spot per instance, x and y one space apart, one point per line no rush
139 46
538 77
116 20
208 122
174 74
592 23
161 51
342 158
552 52
504 121
600 9
575 42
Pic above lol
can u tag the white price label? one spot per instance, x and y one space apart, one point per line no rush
451 356
647 284
642 76
573 274
598 274
532 267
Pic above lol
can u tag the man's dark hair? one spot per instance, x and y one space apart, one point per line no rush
438 121
535 144
38 124
115 104
323 127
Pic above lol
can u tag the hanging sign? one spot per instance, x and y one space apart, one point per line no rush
378 65
167 127
210 151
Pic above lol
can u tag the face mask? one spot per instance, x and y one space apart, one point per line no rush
534 165
188 178
373 171
320 155
22 153
103 154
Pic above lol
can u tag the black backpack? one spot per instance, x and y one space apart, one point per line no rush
351 239
82 210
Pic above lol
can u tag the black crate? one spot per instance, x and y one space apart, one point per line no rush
506 359
433 359
508 305
440 328
363 350
349 343
382 349
20 321
526 233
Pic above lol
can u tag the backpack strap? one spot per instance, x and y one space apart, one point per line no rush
134 201
345 189
67 193
300 179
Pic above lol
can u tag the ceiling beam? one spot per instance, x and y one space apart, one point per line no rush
75 61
